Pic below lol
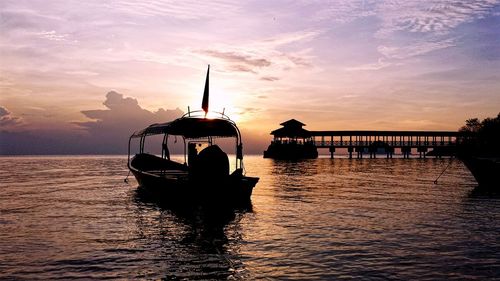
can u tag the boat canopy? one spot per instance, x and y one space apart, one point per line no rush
193 127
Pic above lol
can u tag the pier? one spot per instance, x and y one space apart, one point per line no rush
386 142
292 141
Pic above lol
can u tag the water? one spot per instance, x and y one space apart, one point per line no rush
74 217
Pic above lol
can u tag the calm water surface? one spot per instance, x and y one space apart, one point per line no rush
74 217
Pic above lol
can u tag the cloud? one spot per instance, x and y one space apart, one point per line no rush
82 73
106 133
269 78
16 17
115 101
416 49
110 128
405 29
122 117
187 10
238 58
7 120
267 55
249 110
342 11
238 61
429 16
257 60
415 28
381 63
52 35
299 60
416 16
289 38
3 111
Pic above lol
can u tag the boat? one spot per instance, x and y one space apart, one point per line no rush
205 174
478 149
486 171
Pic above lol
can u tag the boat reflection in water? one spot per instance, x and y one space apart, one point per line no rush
205 176
200 242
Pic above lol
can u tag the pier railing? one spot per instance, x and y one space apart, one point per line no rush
345 144
345 139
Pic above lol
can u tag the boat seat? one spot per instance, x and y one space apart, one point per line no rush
148 162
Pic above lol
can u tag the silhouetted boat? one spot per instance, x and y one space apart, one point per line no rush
479 150
486 170
205 174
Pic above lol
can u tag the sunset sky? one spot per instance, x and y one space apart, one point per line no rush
80 76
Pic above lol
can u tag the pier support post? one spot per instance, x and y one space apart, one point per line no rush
373 151
389 151
422 150
350 150
406 150
359 150
332 151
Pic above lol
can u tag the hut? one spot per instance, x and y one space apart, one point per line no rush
291 141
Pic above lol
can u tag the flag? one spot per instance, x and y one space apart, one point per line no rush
204 103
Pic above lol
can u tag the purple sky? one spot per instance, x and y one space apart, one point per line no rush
80 76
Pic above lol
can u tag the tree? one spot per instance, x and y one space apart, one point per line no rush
481 137
471 126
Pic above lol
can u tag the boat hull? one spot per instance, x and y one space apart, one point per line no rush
231 190
486 171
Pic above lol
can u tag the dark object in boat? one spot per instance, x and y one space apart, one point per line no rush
205 176
210 165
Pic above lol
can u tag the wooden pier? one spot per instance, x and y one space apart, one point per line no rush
386 142
291 140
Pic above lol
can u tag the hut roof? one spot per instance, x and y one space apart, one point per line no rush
291 132
292 123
